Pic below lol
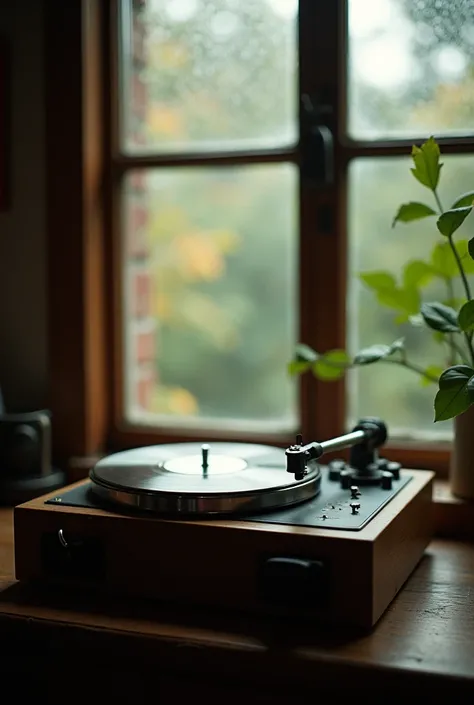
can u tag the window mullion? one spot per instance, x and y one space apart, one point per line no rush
323 252
138 161
397 148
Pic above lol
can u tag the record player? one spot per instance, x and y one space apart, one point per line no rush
238 526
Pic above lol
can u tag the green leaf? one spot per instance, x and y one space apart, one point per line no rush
453 375
455 303
406 300
466 317
332 365
434 371
377 352
443 262
397 345
462 248
417 273
372 354
467 199
427 166
298 367
378 280
304 353
470 246
412 211
402 318
451 220
416 320
439 337
440 317
456 392
302 361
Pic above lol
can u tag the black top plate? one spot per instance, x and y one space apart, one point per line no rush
329 510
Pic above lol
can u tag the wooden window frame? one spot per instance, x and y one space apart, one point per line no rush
83 168
76 227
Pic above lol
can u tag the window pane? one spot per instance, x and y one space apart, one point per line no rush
411 68
384 389
209 74
211 296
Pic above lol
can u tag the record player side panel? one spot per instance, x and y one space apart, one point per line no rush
214 564
400 547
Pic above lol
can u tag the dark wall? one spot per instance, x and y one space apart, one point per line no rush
23 369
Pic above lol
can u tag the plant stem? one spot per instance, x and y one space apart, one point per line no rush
465 282
467 288
458 349
411 366
402 363
451 343
438 202
468 337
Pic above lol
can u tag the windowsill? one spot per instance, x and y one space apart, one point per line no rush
454 517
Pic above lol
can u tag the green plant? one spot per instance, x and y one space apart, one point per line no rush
450 321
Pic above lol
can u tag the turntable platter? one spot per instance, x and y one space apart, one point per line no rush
194 478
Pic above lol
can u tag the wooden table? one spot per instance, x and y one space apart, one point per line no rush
78 648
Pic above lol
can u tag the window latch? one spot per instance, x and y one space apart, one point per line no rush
317 144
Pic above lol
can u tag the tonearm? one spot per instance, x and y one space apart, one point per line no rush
364 467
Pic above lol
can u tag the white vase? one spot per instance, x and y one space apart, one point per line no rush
461 469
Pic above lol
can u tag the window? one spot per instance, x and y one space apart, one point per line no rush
208 214
255 154
232 118
410 68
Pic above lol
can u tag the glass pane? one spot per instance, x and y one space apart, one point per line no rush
411 68
209 74
211 296
383 389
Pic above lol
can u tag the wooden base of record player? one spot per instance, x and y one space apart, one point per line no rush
334 576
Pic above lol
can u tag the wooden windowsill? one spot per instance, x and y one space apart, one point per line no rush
454 517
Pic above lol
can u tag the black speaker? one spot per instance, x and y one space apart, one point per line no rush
25 457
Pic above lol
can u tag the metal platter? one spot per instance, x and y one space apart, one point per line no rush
194 478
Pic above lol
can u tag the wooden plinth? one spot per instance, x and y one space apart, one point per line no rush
217 562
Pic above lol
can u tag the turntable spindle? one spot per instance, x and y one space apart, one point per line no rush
205 458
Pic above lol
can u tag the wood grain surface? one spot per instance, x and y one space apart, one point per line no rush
6 545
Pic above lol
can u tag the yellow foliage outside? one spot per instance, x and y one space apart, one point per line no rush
170 221
182 256
203 313
173 400
200 255
167 55
163 307
164 121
